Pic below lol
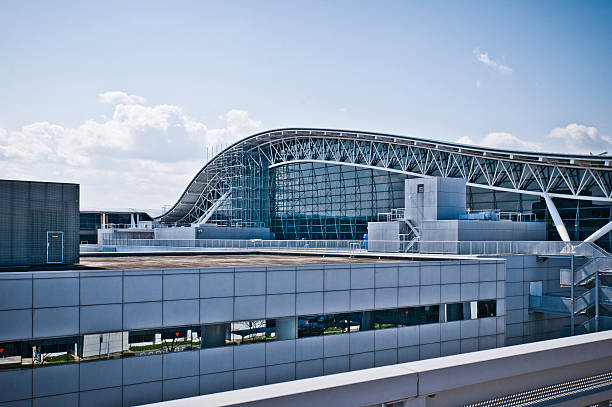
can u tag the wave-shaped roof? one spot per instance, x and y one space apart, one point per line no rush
559 175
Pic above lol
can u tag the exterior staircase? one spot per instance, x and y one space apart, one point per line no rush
586 279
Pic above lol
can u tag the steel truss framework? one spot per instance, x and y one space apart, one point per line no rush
243 168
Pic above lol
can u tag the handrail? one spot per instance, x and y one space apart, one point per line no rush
558 304
479 248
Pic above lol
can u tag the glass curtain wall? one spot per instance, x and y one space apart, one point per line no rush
581 218
322 201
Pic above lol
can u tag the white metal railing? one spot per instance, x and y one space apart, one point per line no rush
517 216
395 214
317 245
486 248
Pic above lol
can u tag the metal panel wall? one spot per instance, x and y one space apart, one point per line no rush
28 210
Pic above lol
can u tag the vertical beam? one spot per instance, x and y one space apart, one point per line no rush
552 209
597 301
572 295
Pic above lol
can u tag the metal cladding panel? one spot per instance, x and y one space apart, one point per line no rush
28 210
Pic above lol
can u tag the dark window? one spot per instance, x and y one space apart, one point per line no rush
454 312
383 319
428 314
486 309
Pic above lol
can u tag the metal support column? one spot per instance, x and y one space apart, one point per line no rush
552 209
599 233
572 295
597 301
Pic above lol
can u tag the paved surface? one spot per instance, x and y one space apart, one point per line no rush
205 260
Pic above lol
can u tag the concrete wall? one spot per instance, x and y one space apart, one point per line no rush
189 232
384 236
215 232
28 210
442 198
45 304
482 230
211 231
522 326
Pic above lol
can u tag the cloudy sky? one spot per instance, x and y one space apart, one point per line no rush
125 97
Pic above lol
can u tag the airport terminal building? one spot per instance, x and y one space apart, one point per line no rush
328 184
260 273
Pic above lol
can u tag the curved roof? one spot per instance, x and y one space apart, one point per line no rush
563 175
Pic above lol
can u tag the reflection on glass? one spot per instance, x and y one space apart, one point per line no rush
251 331
428 314
51 351
108 345
150 342
487 308
316 325
384 319
454 312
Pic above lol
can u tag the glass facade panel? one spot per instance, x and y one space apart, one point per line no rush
322 201
428 314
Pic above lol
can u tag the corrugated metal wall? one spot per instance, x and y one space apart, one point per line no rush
28 210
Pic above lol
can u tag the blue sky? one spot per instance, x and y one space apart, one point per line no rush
530 75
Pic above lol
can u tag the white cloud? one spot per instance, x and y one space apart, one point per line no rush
503 141
465 140
507 141
477 84
342 109
581 139
488 61
238 125
117 97
575 139
143 156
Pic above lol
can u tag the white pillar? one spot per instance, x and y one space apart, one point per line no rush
599 233
132 224
552 209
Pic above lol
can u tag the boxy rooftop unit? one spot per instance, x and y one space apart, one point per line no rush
39 223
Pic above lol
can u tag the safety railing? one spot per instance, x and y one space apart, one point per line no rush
229 244
554 304
486 248
585 273
588 326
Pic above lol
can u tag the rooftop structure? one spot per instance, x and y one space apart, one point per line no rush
39 223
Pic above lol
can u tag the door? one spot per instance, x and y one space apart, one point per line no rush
55 247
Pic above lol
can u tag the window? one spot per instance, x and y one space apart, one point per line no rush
10 355
254 330
454 312
316 325
384 318
428 314
487 308
167 340
51 351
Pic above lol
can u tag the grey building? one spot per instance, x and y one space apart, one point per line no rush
127 337
39 223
